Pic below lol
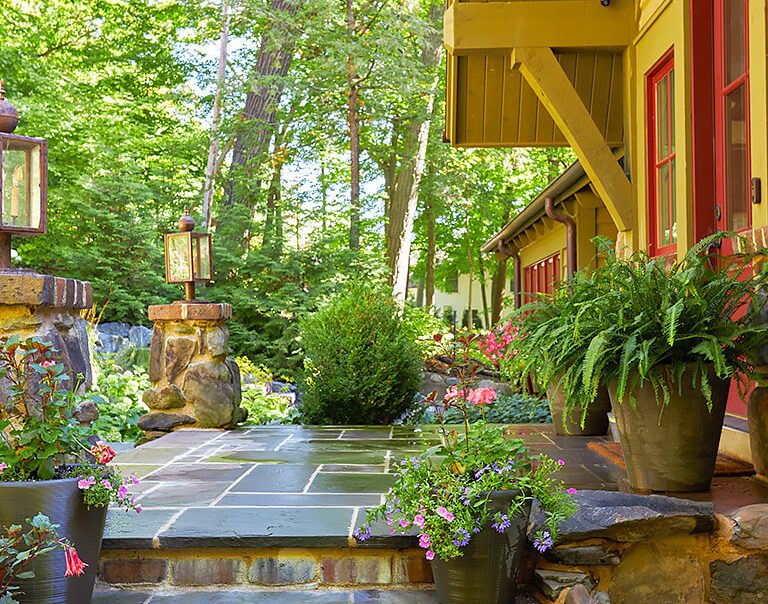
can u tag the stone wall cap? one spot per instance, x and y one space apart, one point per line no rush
27 288
190 311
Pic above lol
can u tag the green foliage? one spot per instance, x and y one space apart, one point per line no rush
118 394
267 408
643 320
506 409
19 548
422 326
362 364
131 356
444 494
37 421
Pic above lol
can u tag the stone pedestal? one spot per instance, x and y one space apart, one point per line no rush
194 384
49 308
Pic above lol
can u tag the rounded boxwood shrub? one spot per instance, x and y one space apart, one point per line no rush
362 364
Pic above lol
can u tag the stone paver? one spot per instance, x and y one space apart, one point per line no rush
287 486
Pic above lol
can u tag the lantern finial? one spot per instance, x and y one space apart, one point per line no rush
9 117
186 222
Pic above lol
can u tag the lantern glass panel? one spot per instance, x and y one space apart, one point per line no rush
178 250
21 184
201 255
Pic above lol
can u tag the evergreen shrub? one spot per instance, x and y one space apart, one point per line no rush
362 364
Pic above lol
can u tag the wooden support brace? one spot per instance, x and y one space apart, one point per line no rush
546 77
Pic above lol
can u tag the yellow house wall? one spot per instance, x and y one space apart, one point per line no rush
666 27
758 68
545 246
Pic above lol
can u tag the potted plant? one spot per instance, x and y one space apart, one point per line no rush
468 500
20 549
666 338
51 463
550 343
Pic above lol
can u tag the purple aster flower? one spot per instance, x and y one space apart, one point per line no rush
362 532
501 522
461 538
543 541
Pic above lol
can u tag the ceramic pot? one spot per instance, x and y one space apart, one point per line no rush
62 502
671 447
757 412
487 571
595 423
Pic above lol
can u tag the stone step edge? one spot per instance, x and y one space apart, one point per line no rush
268 567
207 542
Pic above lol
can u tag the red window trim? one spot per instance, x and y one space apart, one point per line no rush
662 68
541 276
722 90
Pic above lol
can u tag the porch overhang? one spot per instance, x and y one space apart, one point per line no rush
481 27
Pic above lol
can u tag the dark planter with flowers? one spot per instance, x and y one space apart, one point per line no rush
61 500
486 572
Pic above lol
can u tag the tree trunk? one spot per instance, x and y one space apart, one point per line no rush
470 319
213 149
499 282
273 223
353 121
402 208
260 113
431 248
483 293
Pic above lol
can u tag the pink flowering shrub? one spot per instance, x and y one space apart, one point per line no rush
443 495
499 346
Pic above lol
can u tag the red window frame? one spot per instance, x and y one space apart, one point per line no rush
662 69
540 277
723 88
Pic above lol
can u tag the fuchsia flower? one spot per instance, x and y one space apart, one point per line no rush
572 491
3 466
75 566
560 462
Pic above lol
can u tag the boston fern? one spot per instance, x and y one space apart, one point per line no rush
644 320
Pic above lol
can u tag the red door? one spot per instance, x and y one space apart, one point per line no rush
732 156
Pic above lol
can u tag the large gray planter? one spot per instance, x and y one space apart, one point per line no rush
62 502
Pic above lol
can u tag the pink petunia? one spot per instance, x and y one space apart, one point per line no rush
572 491
443 513
418 520
429 555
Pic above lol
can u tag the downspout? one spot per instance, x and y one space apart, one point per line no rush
570 233
511 252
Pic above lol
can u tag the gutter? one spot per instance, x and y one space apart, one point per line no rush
570 233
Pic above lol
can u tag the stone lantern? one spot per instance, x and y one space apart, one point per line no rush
23 181
194 383
32 304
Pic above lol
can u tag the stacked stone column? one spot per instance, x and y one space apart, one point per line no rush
34 305
194 383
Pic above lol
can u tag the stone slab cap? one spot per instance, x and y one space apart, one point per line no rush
200 311
751 526
626 517
32 289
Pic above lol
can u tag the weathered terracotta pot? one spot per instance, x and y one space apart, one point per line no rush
62 502
672 447
757 412
596 422
487 572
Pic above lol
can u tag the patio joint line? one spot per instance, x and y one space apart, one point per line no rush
312 479
165 527
149 490
341 434
350 533
226 491
391 432
282 442
178 457
149 599
387 460
211 454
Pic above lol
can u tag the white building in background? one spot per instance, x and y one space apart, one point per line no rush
453 300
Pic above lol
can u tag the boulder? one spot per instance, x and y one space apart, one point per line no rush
743 581
552 582
86 413
500 387
627 517
590 555
114 329
750 530
163 422
580 595
169 397
657 572
208 385
140 336
178 354
156 367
